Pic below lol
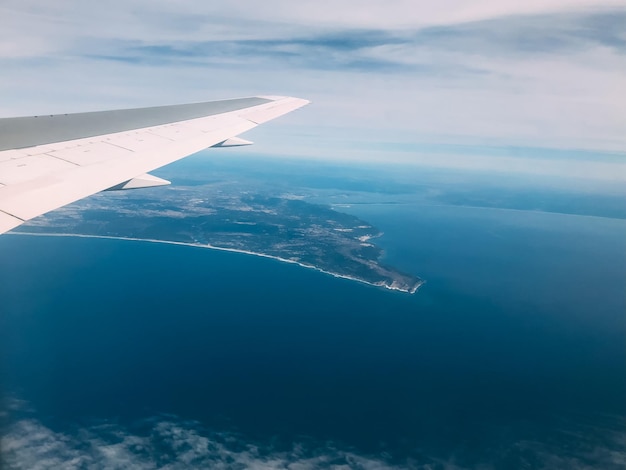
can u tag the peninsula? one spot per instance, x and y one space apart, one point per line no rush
217 216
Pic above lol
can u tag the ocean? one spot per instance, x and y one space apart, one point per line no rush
511 353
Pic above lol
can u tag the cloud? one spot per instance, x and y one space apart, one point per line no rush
243 19
370 50
538 74
167 442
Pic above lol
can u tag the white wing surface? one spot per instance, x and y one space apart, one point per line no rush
49 161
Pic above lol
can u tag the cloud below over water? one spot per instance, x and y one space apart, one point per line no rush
167 442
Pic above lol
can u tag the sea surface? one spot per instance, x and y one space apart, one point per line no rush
511 354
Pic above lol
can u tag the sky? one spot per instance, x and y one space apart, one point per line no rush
532 87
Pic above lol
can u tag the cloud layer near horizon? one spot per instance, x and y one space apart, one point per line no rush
538 74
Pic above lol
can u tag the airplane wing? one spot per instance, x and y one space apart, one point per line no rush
49 161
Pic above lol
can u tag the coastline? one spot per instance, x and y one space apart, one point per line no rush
233 250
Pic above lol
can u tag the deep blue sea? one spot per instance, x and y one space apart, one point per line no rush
510 356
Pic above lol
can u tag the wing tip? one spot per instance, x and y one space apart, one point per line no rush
293 99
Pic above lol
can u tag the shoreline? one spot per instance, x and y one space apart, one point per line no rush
232 250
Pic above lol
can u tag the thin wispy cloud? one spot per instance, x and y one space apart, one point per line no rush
165 444
537 74
168 442
507 37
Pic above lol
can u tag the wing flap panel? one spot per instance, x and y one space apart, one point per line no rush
28 168
138 141
177 132
88 154
11 154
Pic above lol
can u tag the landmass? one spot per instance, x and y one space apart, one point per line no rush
228 216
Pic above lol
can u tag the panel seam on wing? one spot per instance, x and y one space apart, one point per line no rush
12 215
59 158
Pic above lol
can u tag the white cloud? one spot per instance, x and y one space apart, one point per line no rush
166 20
170 444
479 73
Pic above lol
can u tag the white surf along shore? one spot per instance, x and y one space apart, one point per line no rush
233 250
